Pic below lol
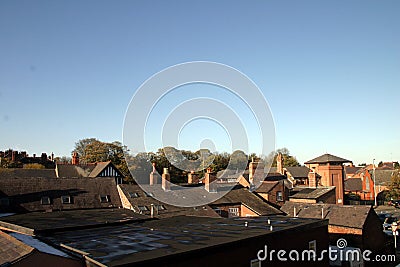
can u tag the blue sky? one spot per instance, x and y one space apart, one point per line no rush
330 70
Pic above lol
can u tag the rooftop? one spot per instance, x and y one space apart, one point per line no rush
11 249
127 244
340 215
313 193
45 222
327 158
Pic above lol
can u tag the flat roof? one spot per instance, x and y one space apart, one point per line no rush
147 240
35 222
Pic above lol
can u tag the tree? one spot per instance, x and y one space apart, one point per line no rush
81 145
91 150
394 187
288 160
380 164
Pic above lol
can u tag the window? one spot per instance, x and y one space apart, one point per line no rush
255 263
45 201
133 195
104 198
66 200
367 184
233 212
5 201
279 196
149 194
160 207
143 208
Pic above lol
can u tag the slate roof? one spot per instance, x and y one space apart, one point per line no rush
351 170
327 158
137 197
313 193
11 249
25 194
298 172
266 186
382 177
340 215
25 173
241 195
74 171
353 184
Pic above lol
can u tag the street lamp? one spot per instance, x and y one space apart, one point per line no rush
373 165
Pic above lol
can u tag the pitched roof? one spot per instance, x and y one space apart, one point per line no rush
24 173
327 158
353 184
298 172
25 194
74 171
340 215
313 193
241 195
351 170
266 186
383 177
11 249
138 198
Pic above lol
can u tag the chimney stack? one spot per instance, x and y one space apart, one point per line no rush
154 175
193 178
165 184
75 158
252 171
210 181
279 163
14 155
312 179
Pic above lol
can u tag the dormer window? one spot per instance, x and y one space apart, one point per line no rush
133 195
160 207
45 200
66 200
104 198
143 208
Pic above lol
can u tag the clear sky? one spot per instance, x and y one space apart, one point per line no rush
330 70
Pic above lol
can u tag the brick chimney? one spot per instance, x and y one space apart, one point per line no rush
210 183
154 175
252 170
193 178
165 184
14 155
75 158
279 163
312 179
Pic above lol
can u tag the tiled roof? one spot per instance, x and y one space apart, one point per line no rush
138 198
351 170
298 172
313 193
327 158
266 186
383 177
74 171
11 249
353 184
241 195
25 194
25 173
341 215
